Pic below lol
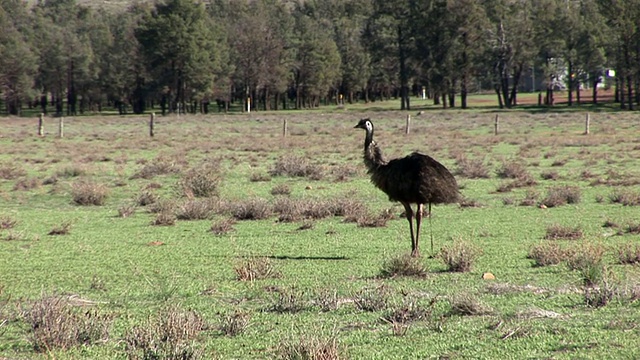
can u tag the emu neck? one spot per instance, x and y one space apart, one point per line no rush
372 154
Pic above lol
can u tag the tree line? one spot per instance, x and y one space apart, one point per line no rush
185 55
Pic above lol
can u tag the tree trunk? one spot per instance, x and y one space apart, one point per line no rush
404 76
570 84
595 90
463 92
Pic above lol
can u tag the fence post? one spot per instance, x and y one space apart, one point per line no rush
284 128
496 125
151 123
61 127
407 128
587 121
41 125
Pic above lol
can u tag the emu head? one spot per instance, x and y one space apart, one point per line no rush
365 124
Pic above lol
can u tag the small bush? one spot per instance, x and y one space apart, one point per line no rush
71 171
550 175
530 198
126 210
289 210
200 209
466 304
26 184
164 219
259 177
163 206
7 222
562 195
403 265
62 229
598 296
512 170
159 166
372 299
288 301
343 173
223 226
296 166
169 335
472 168
250 209
10 172
235 323
281 189
202 181
255 269
327 300
626 197
145 198
587 259
459 256
311 347
546 254
380 220
628 253
88 193
55 324
559 232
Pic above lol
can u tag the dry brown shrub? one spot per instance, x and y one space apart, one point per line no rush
403 265
163 206
145 198
546 254
26 184
71 171
288 209
410 310
628 253
469 305
89 193
550 175
161 165
197 209
281 189
250 209
259 177
559 232
296 166
312 347
164 219
55 324
625 197
372 298
372 220
343 172
291 301
471 168
62 229
256 268
223 226
512 170
202 181
562 195
7 222
587 259
530 198
169 335
235 323
459 256
11 172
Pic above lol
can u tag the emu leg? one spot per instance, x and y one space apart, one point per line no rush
409 213
416 252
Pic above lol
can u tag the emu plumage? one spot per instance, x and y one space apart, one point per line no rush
414 179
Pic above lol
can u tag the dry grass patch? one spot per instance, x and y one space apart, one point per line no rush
588 260
562 195
296 166
235 323
471 168
7 222
410 310
164 219
255 268
310 347
161 165
372 299
222 226
546 254
403 265
89 193
459 256
11 172
560 232
197 209
628 253
26 184
71 171
169 334
202 181
145 198
55 324
281 189
289 301
367 219
513 170
259 177
62 229
250 209
530 198
469 305
625 197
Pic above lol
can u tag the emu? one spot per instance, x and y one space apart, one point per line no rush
414 179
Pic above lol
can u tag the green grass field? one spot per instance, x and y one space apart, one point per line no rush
112 270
